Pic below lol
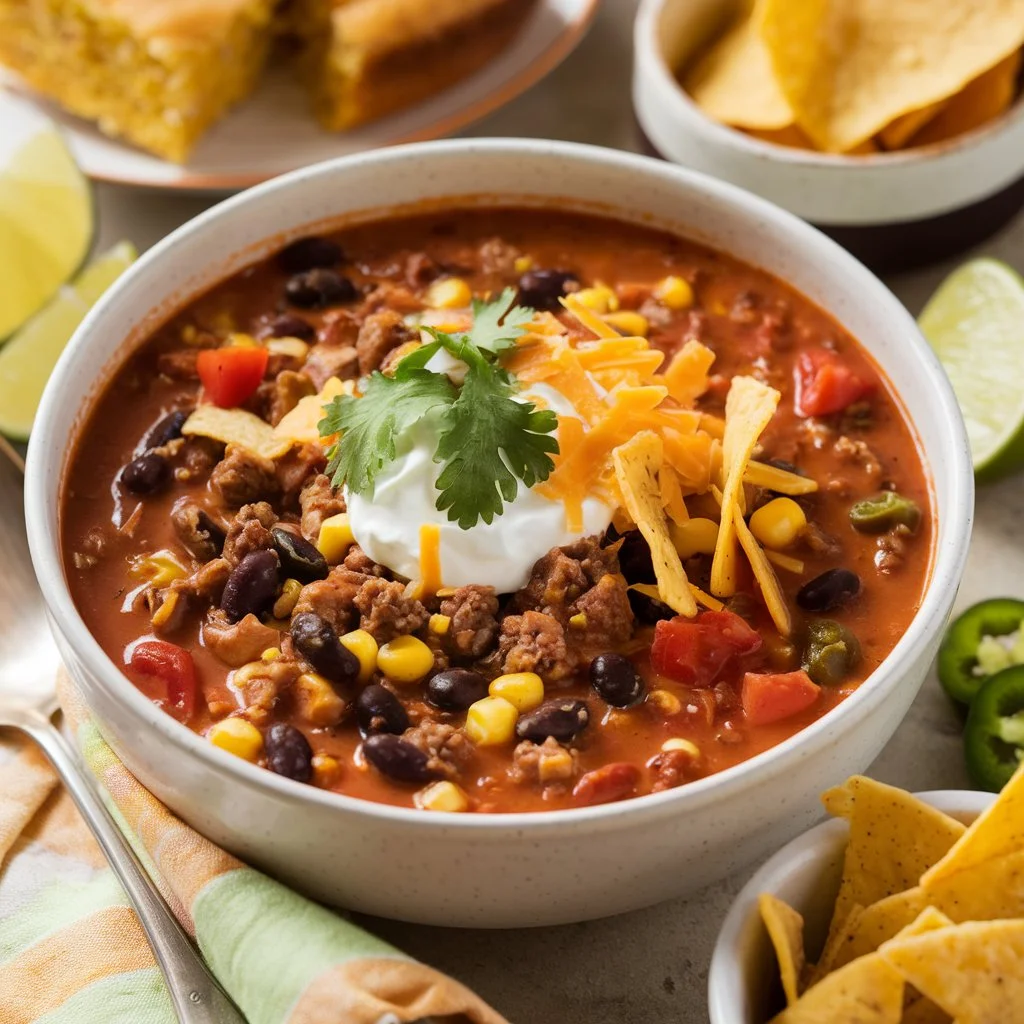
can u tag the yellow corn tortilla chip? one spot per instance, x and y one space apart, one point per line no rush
760 474
838 936
790 136
981 101
786 931
771 591
923 1011
848 69
895 134
973 970
992 889
749 408
236 426
868 927
733 82
300 425
637 464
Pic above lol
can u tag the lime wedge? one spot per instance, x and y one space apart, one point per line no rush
975 323
46 221
27 360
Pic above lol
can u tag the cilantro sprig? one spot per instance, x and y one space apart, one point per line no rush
488 440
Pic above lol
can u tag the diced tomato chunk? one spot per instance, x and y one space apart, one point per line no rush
772 696
825 384
173 666
697 652
231 374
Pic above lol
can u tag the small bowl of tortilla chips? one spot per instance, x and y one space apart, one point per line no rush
896 126
904 909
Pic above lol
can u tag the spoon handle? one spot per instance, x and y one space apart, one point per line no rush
196 996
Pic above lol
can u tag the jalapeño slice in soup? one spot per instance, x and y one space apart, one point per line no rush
497 511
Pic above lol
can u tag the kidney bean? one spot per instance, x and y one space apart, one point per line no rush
164 430
379 710
316 641
603 785
309 253
299 558
542 289
456 689
251 587
562 719
317 289
146 474
396 758
287 325
616 680
832 589
288 752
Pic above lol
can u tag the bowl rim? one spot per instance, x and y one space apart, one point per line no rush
949 550
649 53
725 973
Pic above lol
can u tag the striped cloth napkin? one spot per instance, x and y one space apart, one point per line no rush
72 950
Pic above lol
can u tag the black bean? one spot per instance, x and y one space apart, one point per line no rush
635 558
164 430
289 752
616 680
286 325
648 610
562 719
299 559
396 758
379 710
309 253
832 589
542 289
251 587
146 474
316 641
317 289
456 689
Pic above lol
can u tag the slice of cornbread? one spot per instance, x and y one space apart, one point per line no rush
368 58
155 72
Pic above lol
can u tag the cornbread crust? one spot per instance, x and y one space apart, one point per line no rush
369 58
155 72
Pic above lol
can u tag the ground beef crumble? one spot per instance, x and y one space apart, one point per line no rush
243 476
447 748
473 611
249 531
535 642
386 611
318 501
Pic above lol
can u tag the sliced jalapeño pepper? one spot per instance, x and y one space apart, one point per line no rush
967 658
994 734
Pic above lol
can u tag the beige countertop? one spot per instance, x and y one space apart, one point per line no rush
649 966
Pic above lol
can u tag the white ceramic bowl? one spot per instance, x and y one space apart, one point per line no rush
891 209
806 875
515 869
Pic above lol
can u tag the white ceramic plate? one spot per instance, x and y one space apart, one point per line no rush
273 131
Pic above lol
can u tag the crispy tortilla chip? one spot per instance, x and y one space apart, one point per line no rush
850 69
236 426
771 591
786 930
866 930
973 971
839 935
790 136
749 408
923 1011
895 134
992 889
637 463
981 101
300 425
733 81
760 474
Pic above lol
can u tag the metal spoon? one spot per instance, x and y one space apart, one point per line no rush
28 699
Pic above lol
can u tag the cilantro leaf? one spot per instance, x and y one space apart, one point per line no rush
369 425
483 424
497 324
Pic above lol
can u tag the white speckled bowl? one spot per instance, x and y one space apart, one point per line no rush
805 874
516 869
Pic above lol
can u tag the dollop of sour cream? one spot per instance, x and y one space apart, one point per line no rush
498 554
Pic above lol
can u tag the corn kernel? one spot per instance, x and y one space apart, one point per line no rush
293 348
628 322
396 355
189 334
440 624
270 654
449 293
364 647
236 339
694 537
522 264
238 737
406 659
578 621
441 796
600 298
159 568
667 703
326 770
162 616
552 767
674 292
445 592
778 524
335 537
679 743
491 721
290 591
317 701
523 690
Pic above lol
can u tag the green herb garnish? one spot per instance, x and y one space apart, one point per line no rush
488 441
